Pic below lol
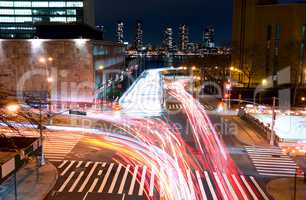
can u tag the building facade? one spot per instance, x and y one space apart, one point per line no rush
168 39
138 43
268 38
73 64
208 37
18 17
120 32
183 37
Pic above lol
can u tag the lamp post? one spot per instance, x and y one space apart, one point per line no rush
273 122
101 68
50 81
228 87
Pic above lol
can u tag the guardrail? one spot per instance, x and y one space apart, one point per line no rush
265 129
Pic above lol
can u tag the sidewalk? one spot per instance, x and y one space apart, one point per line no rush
282 189
30 184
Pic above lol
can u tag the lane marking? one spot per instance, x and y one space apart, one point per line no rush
124 179
248 187
88 177
111 188
212 191
105 178
76 181
152 182
66 182
220 186
79 164
204 197
93 185
133 180
67 168
63 163
143 178
240 187
234 195
263 194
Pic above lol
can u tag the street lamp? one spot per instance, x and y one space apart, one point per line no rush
101 68
42 60
264 82
228 87
13 108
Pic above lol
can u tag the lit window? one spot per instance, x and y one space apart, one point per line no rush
71 19
23 19
6 12
7 19
57 19
75 4
22 4
71 12
6 4
40 4
37 19
23 12
58 12
57 4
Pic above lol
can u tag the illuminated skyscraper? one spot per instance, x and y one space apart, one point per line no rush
138 43
184 37
120 32
208 37
168 39
18 18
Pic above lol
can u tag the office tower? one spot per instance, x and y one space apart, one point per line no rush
138 43
184 37
208 37
18 18
120 32
168 39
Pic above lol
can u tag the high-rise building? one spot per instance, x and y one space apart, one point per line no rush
120 32
184 37
101 29
168 39
18 18
138 43
266 41
208 37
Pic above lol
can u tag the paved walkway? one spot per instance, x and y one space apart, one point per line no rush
31 184
282 189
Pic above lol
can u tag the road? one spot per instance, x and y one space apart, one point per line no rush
149 159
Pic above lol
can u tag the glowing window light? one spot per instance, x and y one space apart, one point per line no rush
80 42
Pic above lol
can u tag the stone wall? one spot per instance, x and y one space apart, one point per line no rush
25 66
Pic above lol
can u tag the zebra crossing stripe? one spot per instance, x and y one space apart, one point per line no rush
63 163
133 180
152 182
93 185
204 197
76 181
249 187
212 191
220 186
190 183
259 188
79 164
88 177
143 178
230 187
105 178
124 179
240 187
67 168
111 188
66 182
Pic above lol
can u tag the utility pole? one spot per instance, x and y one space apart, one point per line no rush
273 122
42 155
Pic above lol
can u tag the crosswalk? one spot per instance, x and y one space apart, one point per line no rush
271 161
58 145
112 178
174 106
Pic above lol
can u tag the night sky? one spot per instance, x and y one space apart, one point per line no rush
156 14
